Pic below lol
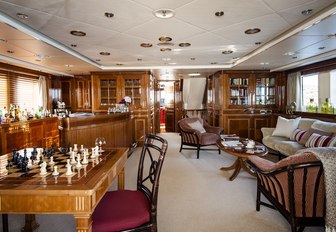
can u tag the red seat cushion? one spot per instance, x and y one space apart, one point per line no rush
120 210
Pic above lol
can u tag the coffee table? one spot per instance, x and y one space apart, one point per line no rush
241 152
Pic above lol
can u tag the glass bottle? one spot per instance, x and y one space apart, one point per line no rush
326 107
311 106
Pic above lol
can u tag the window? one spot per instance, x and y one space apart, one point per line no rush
18 89
309 88
319 87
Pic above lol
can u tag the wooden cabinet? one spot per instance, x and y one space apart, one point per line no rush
109 88
82 87
19 135
265 91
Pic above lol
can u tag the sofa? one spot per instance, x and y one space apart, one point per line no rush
291 135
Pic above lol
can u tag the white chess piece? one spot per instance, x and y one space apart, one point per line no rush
75 149
51 161
93 153
55 172
82 147
85 160
68 166
37 160
97 151
78 165
43 169
73 160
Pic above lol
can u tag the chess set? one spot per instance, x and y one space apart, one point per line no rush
50 165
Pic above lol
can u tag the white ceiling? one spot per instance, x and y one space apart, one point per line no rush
284 42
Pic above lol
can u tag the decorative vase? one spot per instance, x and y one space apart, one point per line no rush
327 107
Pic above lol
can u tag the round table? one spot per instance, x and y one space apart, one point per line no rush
241 152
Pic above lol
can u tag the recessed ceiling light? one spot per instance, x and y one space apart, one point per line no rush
37 60
252 31
166 59
289 53
139 59
192 58
73 45
146 45
184 45
119 64
165 49
332 36
164 13
98 60
165 39
257 43
78 33
307 12
173 63
227 52
10 51
69 65
213 63
104 53
264 63
194 74
219 13
294 57
109 15
322 47
22 16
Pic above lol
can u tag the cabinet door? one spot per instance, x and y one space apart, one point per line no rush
265 91
238 91
133 89
83 94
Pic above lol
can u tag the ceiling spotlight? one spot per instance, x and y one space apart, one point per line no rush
166 59
68 65
252 31
235 58
183 45
294 57
22 16
227 52
307 12
109 15
98 60
78 33
257 43
146 45
192 58
73 45
139 59
322 47
331 36
104 53
10 51
165 49
213 63
37 60
120 64
164 13
219 13
165 39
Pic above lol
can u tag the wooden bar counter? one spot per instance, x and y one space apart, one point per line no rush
117 129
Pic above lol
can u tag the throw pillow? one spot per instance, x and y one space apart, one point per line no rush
197 126
311 131
285 127
297 135
316 140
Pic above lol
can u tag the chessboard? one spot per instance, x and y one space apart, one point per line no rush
23 167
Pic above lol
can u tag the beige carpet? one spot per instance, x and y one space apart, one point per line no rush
194 196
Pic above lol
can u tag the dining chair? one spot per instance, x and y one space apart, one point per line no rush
135 210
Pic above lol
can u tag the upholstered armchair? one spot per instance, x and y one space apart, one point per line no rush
294 186
197 133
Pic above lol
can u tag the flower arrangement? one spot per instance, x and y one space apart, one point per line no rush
126 100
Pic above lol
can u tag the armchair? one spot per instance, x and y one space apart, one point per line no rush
196 133
294 186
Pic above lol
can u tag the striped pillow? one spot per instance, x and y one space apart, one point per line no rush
316 140
297 135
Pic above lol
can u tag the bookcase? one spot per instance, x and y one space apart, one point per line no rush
265 91
238 91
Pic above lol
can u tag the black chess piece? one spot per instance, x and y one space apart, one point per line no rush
69 145
41 161
52 149
14 156
44 151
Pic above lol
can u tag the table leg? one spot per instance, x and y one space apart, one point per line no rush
30 223
84 223
121 179
236 166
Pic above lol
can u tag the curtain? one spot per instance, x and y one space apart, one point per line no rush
42 98
294 92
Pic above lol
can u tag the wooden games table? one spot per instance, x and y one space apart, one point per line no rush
241 152
77 195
